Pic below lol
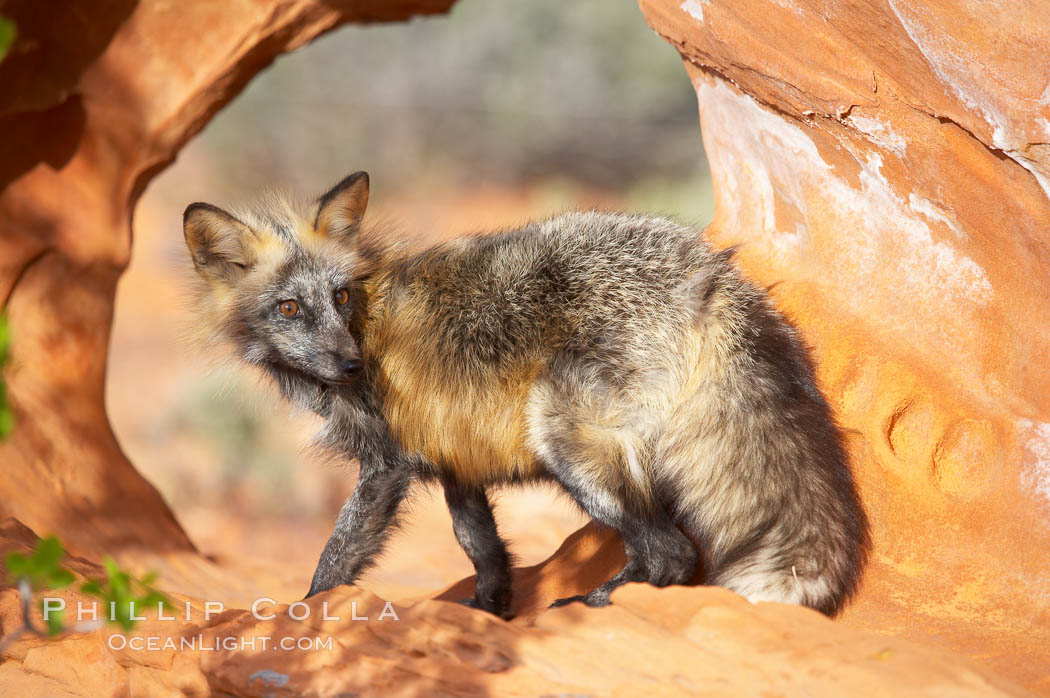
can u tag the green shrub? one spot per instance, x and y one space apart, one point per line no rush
42 570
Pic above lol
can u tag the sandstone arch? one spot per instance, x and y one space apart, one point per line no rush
93 105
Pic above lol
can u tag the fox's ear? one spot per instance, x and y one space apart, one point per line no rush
218 242
339 212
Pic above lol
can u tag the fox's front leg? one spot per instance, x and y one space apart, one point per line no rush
362 528
476 532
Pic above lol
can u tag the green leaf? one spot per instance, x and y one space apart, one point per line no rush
123 616
152 599
60 578
118 590
42 569
7 420
122 590
8 32
48 554
17 565
54 621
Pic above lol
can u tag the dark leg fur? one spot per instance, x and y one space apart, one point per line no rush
476 532
361 529
656 550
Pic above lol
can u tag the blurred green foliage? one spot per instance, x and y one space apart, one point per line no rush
8 32
501 92
42 570
123 594
7 418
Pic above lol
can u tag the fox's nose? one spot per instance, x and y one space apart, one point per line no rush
351 367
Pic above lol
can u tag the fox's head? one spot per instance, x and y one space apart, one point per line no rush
279 280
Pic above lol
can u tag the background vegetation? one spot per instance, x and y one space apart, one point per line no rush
499 93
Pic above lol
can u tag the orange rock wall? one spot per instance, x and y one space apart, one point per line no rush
94 104
886 169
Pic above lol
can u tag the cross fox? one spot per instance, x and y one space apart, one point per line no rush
618 356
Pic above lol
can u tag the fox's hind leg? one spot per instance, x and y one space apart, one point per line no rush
657 552
595 443
476 532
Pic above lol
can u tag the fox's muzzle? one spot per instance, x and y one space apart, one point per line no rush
351 367
342 367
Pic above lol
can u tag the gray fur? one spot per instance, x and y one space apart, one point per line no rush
616 355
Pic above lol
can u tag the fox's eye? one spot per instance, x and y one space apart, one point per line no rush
288 308
342 296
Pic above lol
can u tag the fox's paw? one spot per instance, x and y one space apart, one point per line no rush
596 599
568 600
494 609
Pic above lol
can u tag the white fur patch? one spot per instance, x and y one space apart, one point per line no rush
635 468
762 582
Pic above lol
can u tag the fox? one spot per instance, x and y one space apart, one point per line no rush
620 357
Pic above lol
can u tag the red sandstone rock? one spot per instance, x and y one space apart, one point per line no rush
886 168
